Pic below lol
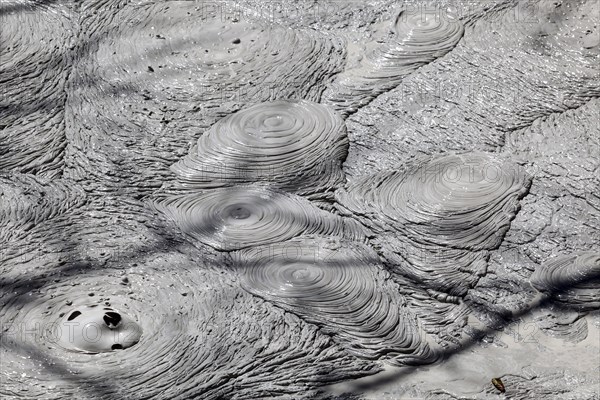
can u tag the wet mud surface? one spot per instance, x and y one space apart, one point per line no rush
300 200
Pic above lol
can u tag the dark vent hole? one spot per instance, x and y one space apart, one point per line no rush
74 315
112 319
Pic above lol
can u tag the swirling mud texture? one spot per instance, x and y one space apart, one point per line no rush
445 213
244 216
296 146
135 332
33 98
460 201
28 201
416 39
571 279
568 325
340 287
146 88
314 200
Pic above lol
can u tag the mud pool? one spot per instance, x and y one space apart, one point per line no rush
300 200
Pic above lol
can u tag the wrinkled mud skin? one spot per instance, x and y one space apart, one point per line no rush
300 200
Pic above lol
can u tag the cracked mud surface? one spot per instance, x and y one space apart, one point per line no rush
300 200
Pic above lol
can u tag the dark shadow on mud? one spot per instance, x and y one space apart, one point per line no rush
502 320
25 6
94 388
17 292
76 267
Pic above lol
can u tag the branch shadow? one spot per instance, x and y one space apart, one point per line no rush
93 387
476 336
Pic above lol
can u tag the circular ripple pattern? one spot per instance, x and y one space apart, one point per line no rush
293 145
145 88
243 216
341 287
419 38
446 211
464 201
572 279
194 324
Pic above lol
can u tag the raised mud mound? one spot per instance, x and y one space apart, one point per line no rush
152 326
416 39
296 146
339 286
146 87
244 216
442 213
461 201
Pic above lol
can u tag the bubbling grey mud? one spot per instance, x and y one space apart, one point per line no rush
93 329
141 143
461 201
134 332
341 287
445 213
292 145
417 39
251 215
145 89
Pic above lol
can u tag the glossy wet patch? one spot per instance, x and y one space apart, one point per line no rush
98 330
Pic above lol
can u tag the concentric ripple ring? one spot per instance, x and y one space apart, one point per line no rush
243 216
418 39
293 145
339 286
464 201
